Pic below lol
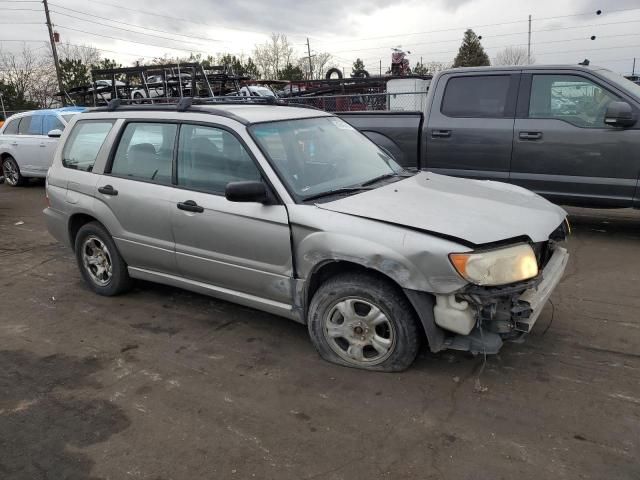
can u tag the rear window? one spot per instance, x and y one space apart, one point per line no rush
82 147
476 96
11 128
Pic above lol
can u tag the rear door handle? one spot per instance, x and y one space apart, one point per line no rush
108 190
530 135
440 133
190 206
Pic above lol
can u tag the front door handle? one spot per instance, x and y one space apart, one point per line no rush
530 135
108 190
190 206
43 144
14 144
440 133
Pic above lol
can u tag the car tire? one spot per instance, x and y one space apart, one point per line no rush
100 262
137 98
11 172
331 71
363 321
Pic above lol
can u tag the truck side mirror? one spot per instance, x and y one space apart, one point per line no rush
619 114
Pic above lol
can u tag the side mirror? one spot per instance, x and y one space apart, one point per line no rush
619 114
252 191
55 133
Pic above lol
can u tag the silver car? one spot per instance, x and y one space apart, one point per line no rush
292 211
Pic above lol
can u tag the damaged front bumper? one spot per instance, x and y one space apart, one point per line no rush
486 317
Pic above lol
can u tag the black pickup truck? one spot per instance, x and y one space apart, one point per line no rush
569 133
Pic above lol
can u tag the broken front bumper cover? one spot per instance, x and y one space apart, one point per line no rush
522 308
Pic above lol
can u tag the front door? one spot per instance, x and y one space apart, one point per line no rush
136 193
241 247
470 125
562 148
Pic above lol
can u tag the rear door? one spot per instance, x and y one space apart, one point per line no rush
244 248
30 154
470 126
135 194
562 147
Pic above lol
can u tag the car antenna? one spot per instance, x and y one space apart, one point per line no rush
184 104
113 104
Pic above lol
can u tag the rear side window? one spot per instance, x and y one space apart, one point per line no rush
11 128
145 152
52 122
209 158
82 147
25 125
476 96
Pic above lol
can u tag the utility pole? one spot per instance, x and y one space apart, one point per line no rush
310 66
380 67
529 44
633 69
55 53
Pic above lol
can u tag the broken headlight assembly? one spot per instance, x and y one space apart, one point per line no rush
497 267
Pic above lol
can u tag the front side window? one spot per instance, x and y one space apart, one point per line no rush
483 96
145 152
323 154
210 158
35 126
11 128
82 147
574 99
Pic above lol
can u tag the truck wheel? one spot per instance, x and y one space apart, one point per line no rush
99 261
11 172
359 320
137 98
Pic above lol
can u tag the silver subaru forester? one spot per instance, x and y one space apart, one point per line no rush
292 211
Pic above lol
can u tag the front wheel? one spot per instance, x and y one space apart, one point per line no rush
11 172
363 321
99 261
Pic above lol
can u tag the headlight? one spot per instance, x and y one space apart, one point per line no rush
497 267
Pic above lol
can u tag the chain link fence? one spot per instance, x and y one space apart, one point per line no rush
407 101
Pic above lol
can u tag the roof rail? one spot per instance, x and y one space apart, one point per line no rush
184 104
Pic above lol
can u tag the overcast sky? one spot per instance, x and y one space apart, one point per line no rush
430 29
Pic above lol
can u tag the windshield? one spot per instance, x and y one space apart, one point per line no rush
622 82
322 154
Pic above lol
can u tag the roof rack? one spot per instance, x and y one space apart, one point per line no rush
182 104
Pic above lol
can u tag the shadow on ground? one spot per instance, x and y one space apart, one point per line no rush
43 425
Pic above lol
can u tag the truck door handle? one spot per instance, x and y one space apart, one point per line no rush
190 206
440 133
530 135
108 190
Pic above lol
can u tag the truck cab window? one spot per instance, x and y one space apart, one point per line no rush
571 98
477 96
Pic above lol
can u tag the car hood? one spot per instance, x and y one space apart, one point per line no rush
475 211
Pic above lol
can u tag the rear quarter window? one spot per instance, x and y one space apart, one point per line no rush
11 128
81 148
476 96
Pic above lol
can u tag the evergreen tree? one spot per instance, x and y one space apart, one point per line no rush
420 69
471 53
291 73
358 68
75 73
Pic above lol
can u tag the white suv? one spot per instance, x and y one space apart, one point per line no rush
28 141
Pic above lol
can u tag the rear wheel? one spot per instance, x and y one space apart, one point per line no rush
11 172
99 261
363 321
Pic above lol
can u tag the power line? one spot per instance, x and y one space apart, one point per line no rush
208 39
130 41
125 29
21 23
170 17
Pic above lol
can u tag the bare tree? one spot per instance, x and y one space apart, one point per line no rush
85 53
320 62
513 56
273 55
31 75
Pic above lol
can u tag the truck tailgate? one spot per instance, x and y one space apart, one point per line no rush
397 132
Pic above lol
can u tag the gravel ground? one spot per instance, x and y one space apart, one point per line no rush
164 384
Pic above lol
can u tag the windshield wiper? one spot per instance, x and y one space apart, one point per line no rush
336 191
384 177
